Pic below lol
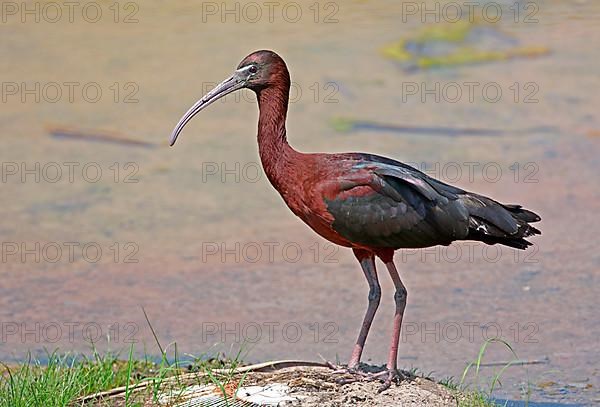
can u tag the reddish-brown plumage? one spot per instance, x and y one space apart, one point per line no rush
303 180
369 203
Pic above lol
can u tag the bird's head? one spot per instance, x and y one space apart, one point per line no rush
257 71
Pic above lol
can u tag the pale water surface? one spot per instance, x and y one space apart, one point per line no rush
296 305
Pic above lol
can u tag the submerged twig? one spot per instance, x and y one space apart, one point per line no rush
102 137
518 362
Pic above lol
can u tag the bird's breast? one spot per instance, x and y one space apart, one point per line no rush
305 199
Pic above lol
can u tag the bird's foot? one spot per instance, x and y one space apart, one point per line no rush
343 369
391 376
349 374
354 374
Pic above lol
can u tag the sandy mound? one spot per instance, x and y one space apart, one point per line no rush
317 386
281 383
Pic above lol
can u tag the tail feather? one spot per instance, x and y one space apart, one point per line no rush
522 214
494 223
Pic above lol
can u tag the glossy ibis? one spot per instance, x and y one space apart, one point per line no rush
371 204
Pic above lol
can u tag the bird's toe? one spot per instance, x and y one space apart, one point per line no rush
389 376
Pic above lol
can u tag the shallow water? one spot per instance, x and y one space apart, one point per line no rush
197 236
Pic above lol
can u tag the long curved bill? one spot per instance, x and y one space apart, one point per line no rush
229 85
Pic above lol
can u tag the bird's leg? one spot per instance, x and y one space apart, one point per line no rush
367 262
400 299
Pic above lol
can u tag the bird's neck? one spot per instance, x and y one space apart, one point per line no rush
276 154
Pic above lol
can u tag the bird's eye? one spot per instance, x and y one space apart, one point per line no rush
253 69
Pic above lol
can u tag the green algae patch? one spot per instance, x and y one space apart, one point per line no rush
456 44
342 124
466 56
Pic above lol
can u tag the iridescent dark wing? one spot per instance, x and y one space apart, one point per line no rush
394 205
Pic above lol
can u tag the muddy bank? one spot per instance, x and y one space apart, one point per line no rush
298 385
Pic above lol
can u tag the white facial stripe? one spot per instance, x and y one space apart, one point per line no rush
245 69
